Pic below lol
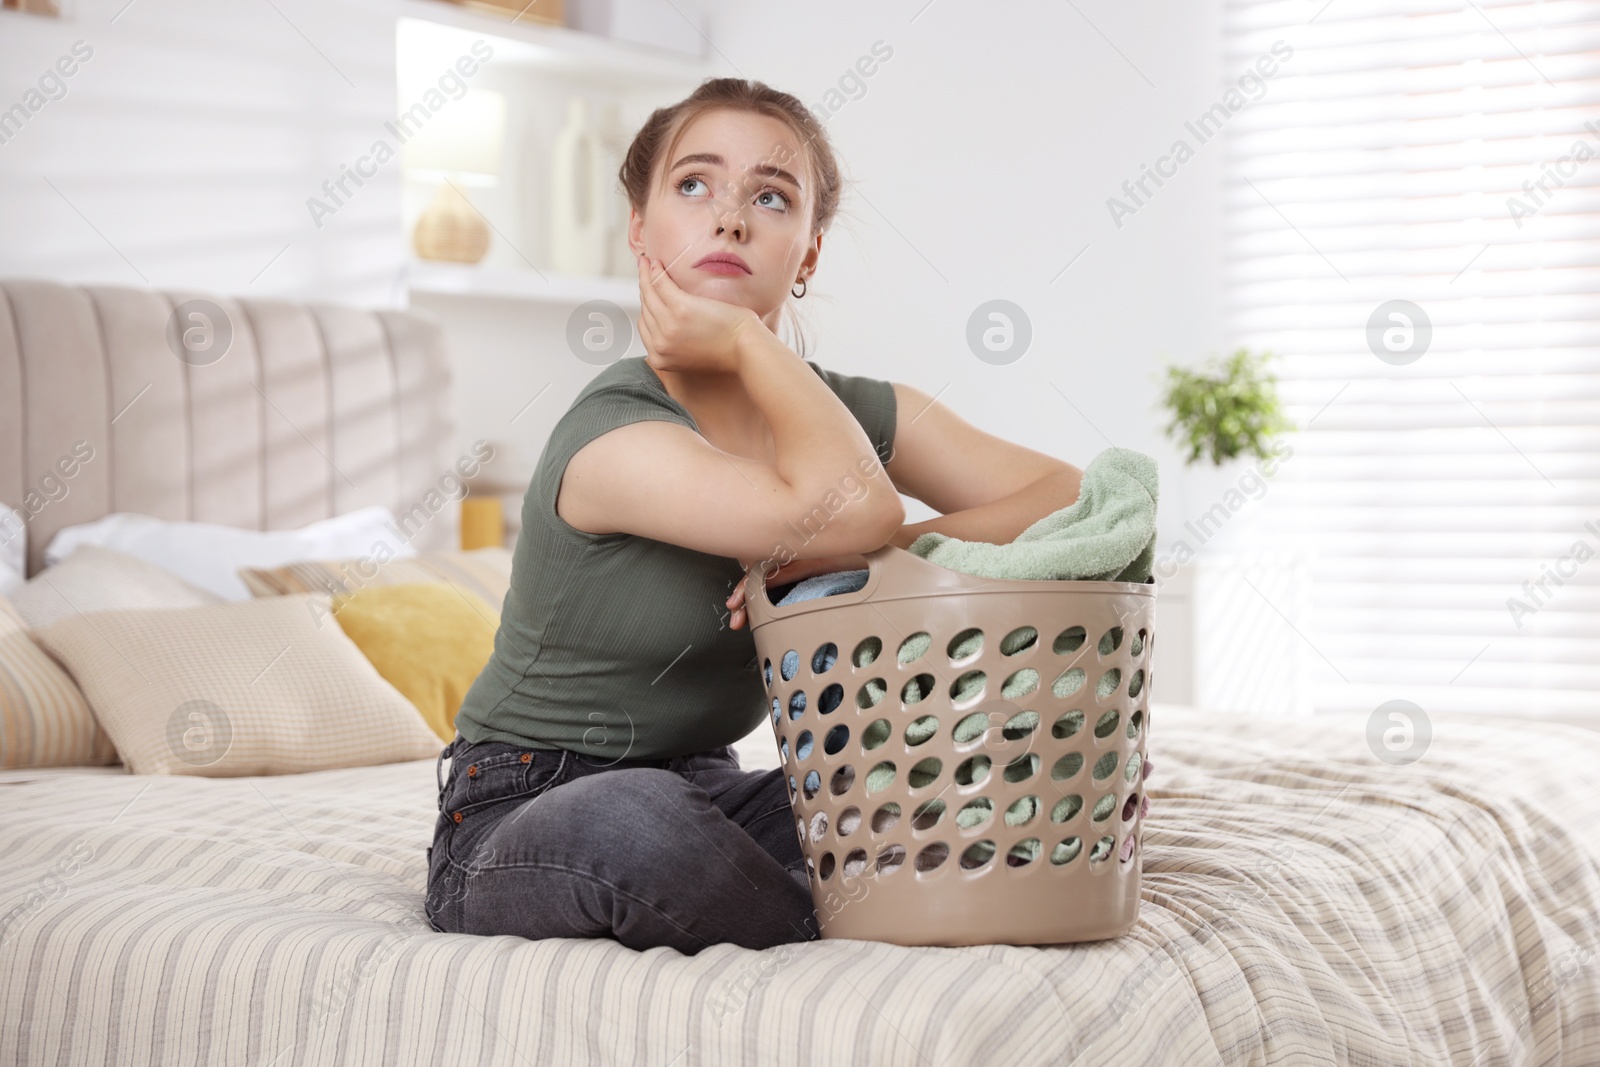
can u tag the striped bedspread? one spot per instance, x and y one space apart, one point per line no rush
1303 903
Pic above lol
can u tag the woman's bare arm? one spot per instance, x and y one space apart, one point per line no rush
821 448
825 494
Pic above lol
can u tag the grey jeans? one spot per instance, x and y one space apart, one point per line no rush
682 852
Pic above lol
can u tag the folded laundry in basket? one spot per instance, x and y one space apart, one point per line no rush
825 585
1107 534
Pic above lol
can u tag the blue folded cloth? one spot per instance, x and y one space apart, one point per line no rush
825 585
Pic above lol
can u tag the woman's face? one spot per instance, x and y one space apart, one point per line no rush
732 188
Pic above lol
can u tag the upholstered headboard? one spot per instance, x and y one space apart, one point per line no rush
123 399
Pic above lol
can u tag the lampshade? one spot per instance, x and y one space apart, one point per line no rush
463 139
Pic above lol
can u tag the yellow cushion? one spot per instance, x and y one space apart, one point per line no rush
429 640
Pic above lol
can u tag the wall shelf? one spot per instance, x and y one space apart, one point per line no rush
463 279
557 49
539 68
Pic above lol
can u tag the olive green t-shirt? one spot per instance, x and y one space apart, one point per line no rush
615 645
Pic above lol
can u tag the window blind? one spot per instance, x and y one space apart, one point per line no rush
1413 230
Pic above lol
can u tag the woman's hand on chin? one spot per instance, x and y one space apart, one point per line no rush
687 333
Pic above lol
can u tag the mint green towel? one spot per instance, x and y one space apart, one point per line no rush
1107 534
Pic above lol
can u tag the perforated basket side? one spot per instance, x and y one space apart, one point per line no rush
965 756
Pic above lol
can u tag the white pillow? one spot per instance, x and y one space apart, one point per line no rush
209 554
13 548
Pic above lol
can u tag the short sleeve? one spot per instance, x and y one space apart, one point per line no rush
870 400
591 416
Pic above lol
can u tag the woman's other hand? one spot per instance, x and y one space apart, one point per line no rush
793 571
685 332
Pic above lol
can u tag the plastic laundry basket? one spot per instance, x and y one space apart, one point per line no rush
887 767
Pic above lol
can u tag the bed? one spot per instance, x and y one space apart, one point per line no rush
1303 902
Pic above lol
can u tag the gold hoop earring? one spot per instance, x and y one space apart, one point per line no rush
802 291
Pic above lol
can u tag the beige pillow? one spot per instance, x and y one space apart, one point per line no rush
101 579
264 686
484 571
44 719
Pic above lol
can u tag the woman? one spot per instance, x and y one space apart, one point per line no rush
593 788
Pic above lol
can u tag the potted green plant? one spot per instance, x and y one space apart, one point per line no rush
1228 585
1225 410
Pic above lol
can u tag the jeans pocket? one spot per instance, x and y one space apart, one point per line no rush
492 777
511 775
483 788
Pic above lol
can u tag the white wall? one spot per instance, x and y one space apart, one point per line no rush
183 150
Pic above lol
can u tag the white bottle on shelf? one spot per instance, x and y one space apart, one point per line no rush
614 141
578 192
